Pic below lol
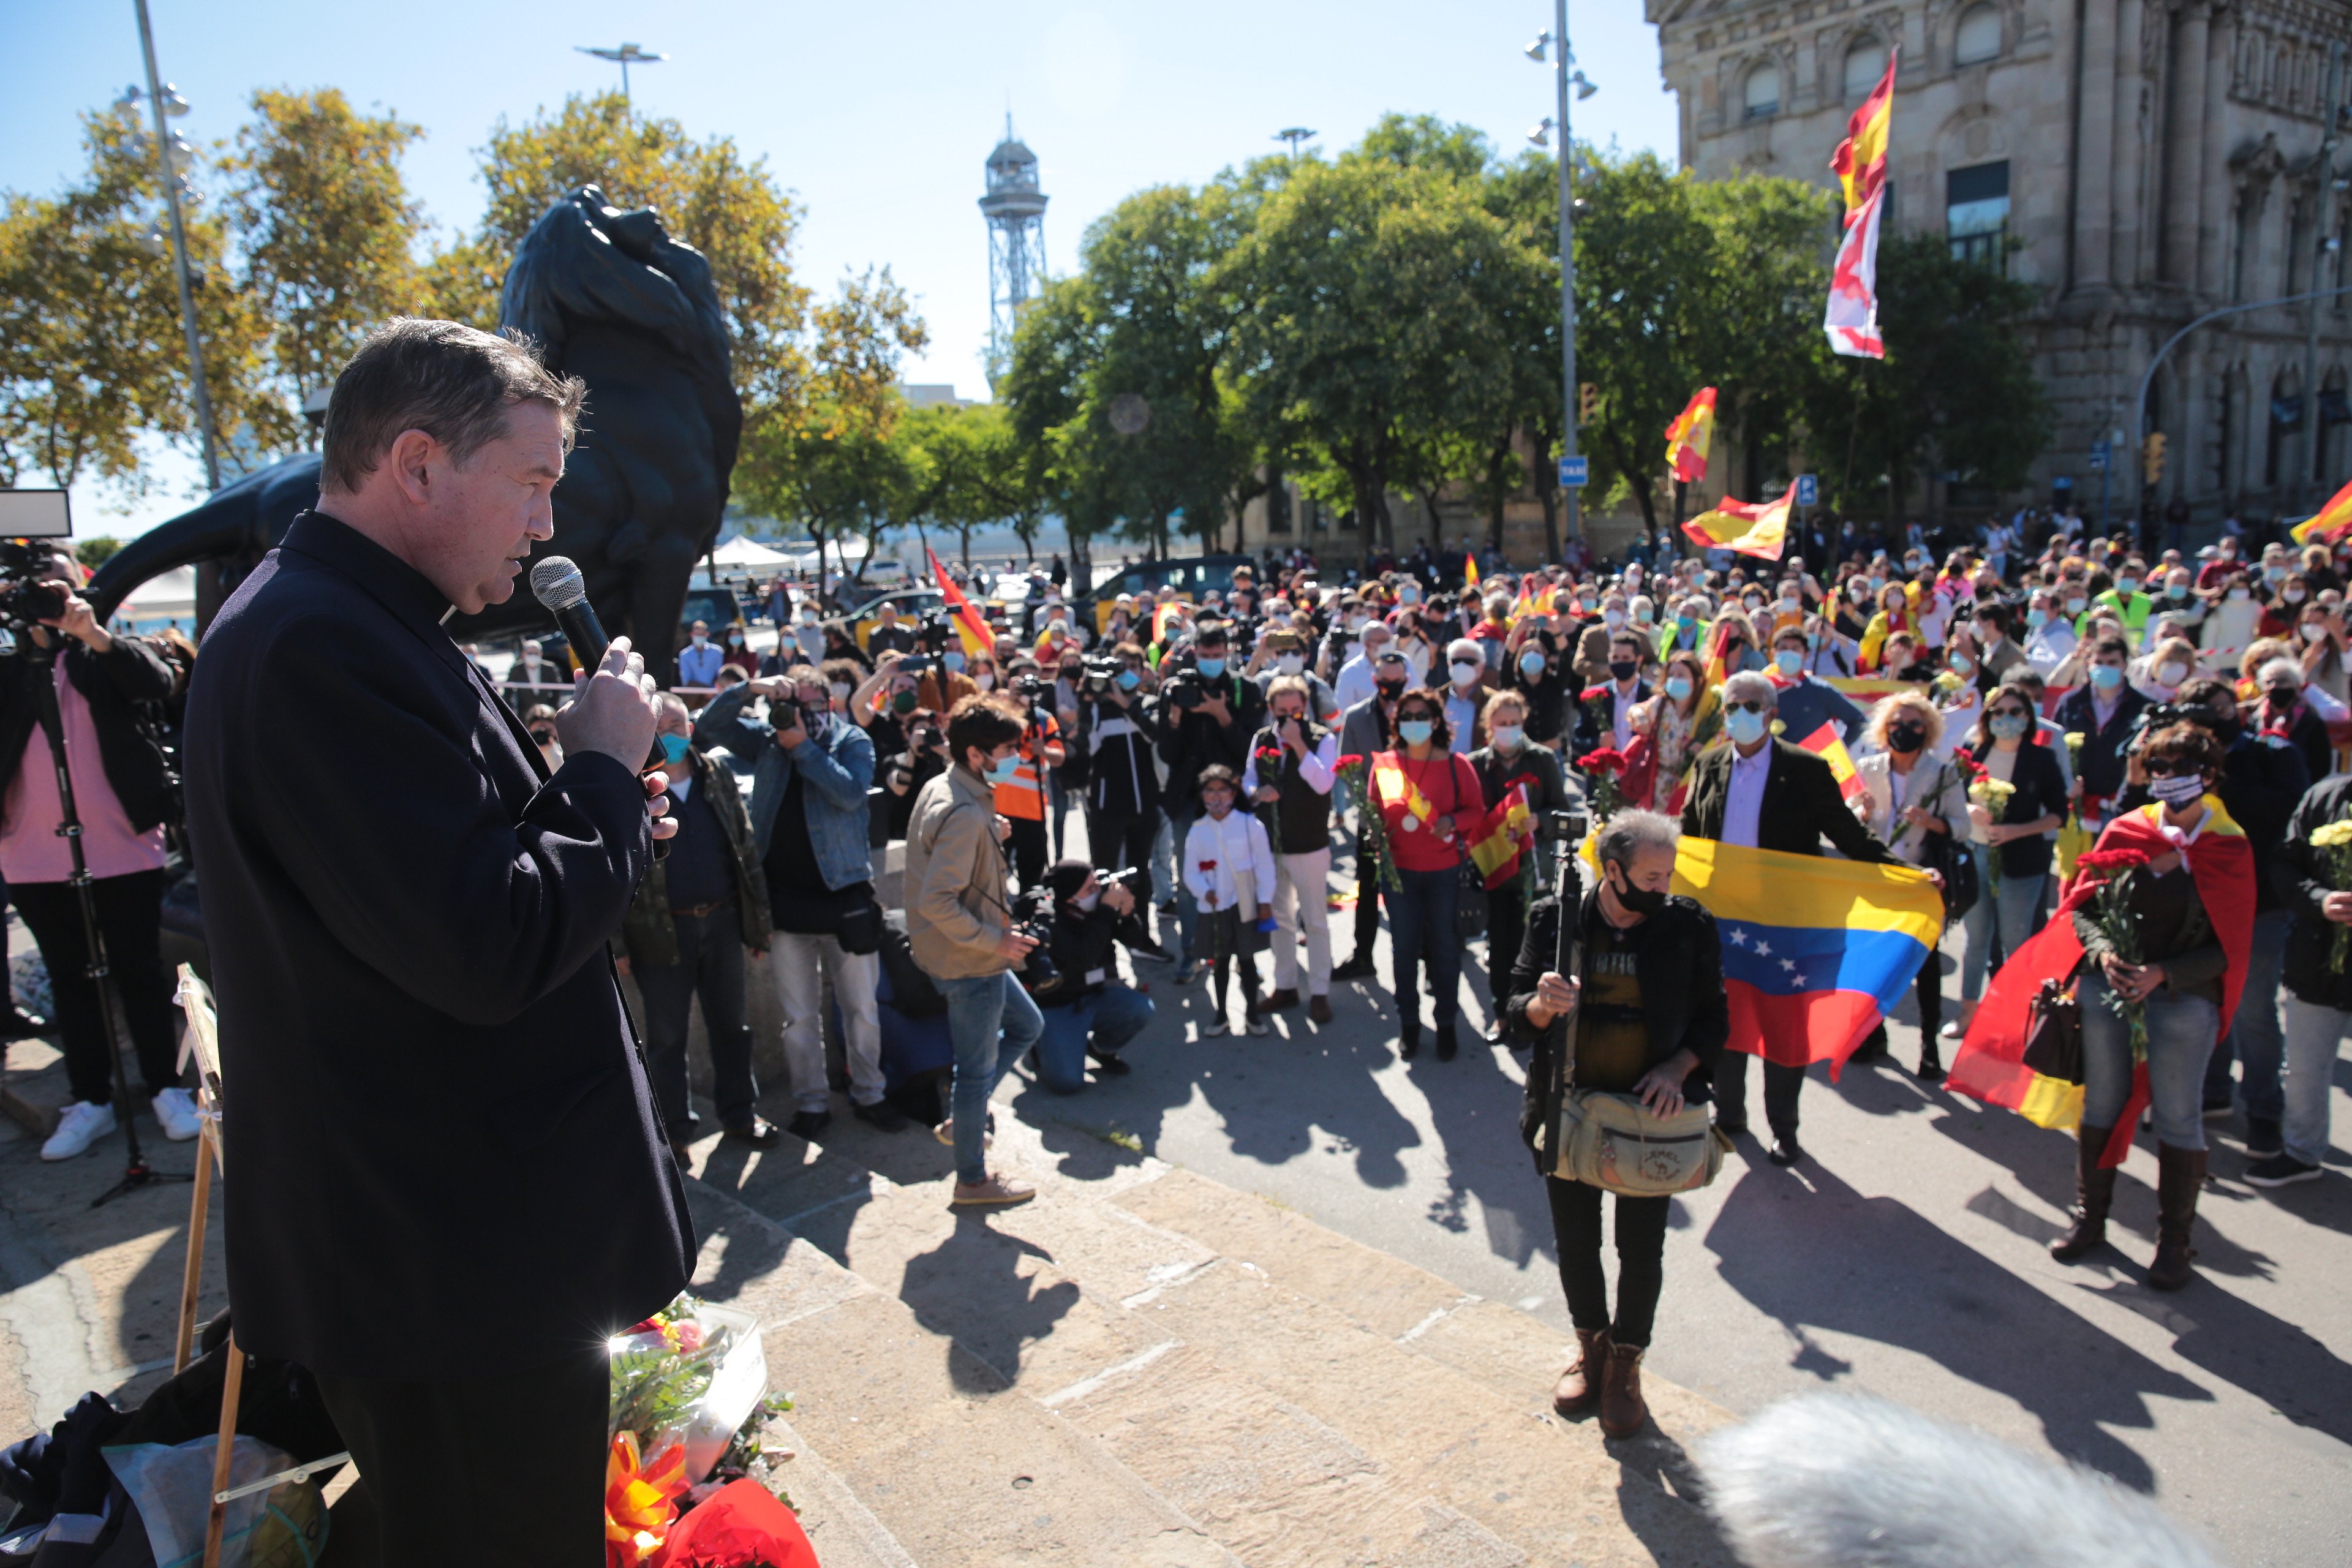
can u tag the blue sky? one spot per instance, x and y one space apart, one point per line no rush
879 115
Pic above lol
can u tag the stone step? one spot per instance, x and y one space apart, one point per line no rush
1296 1395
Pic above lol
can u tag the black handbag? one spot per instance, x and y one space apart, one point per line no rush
1470 895
2053 1032
1956 862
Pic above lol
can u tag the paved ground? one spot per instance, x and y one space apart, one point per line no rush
1905 1257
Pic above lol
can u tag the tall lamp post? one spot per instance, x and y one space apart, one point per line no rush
2314 417
1564 77
163 103
624 56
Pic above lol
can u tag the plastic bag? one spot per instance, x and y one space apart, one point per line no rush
285 1527
2073 841
690 1375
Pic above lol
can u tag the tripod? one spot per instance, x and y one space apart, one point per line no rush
44 663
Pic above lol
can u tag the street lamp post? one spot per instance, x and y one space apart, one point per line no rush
2312 417
624 56
202 397
1563 78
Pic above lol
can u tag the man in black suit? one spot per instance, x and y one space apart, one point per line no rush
1768 795
452 1181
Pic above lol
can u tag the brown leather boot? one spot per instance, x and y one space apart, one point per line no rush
1621 1410
2179 1175
2095 1189
1579 1388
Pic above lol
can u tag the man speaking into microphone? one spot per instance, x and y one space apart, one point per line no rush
448 1182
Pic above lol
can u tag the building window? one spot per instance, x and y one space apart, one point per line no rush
1976 213
1977 39
1762 92
1866 62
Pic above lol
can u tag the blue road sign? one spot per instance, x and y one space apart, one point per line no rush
1809 489
2099 458
1572 473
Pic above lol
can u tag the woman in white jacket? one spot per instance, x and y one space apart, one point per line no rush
1229 867
1913 792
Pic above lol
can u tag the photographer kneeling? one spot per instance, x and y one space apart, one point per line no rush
121 788
1649 1022
1091 1013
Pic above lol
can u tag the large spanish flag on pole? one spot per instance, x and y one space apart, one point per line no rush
1851 317
1760 529
1816 951
973 630
1688 437
2329 523
1860 161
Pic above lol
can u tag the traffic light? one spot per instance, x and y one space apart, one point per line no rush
2151 458
1587 402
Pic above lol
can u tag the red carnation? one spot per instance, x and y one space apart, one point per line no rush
2110 861
1607 759
1352 760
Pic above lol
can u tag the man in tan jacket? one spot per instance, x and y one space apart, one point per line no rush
959 927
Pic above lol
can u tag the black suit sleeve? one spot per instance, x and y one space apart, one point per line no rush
393 832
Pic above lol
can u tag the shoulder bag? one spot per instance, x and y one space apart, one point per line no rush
2053 1032
1470 901
1947 857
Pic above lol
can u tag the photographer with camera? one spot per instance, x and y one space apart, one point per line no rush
1206 716
811 771
1115 728
1091 1013
1023 800
963 932
123 791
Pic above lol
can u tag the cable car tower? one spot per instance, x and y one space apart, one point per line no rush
1016 211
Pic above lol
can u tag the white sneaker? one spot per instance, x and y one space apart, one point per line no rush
1216 1026
80 1125
176 1110
1255 1023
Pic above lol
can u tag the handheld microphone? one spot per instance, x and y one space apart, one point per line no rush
557 583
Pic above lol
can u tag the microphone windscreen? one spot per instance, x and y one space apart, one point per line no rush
556 582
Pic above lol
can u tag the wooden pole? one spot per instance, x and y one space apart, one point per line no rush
191 1272
232 1390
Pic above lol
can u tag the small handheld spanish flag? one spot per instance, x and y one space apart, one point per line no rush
1470 570
1688 437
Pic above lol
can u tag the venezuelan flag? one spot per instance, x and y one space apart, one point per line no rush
2329 523
1815 950
1689 437
1758 530
973 630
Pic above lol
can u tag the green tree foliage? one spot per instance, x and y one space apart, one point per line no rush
91 354
323 231
97 552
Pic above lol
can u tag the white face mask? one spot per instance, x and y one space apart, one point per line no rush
841 690
1086 901
2311 631
1290 663
1466 674
985 679
1613 619
702 639
2171 674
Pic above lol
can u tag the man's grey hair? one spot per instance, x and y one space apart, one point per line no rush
2286 667
1752 683
1463 649
668 707
452 381
1629 832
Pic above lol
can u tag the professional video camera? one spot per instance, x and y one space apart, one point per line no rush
22 598
1099 675
1032 917
1183 691
1029 688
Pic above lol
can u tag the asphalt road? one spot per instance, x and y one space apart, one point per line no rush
1903 1258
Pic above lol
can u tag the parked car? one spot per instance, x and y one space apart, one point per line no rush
1193 577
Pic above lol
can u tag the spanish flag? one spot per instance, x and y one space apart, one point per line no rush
1758 531
1860 161
1499 843
1470 570
971 627
1816 951
1688 437
1395 789
1866 693
2329 523
1824 744
1991 1065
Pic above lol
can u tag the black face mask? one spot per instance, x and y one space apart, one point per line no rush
1637 900
1905 739
1388 689
1623 668
2227 729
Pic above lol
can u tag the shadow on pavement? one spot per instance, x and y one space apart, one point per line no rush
971 1291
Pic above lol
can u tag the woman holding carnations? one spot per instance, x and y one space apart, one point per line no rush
2164 911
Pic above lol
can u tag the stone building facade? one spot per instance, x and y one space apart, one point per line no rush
2154 159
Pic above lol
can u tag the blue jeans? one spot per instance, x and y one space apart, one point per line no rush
2313 1034
2253 1038
992 1023
1421 931
1106 1020
1181 817
2007 917
2180 1031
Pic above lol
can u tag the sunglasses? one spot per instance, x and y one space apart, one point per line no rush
2165 768
1744 707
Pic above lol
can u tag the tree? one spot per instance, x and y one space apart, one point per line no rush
91 353
95 553
323 229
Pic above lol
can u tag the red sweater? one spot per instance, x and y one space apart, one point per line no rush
1458 797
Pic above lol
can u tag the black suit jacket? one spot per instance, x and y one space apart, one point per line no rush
437 1115
1801 805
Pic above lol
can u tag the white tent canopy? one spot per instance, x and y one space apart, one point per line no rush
747 552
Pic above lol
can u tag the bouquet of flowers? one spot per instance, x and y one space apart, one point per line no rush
1371 829
2074 838
2111 910
1603 768
2334 842
1990 793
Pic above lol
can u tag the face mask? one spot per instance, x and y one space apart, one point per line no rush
1290 663
2282 699
1642 618
2178 790
1685 624
1388 689
954 661
2228 729
841 690
1960 663
1416 731
1211 668
1613 619
2311 631
1624 669
674 747
1002 771
2171 674
2292 595
1744 727
1531 665
2008 726
701 639
2126 585
734 639
1635 900
902 702
1085 902
2107 676
1408 596
1357 623
1788 660
1678 687
1905 739
1787 604
808 617
1877 584
2238 595
2036 619
2077 604
1861 595
985 679
1465 674
1754 603
2275 574
2176 590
